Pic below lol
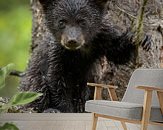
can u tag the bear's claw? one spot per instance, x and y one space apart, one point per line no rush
51 110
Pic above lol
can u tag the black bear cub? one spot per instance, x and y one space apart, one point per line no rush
60 64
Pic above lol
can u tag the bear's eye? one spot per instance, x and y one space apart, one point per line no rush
62 24
82 22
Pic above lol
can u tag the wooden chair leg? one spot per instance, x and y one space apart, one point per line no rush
124 125
94 122
160 98
146 110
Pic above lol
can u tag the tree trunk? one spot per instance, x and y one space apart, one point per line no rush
121 13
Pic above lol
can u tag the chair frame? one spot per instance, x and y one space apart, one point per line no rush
146 106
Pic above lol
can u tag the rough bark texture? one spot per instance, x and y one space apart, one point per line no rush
117 15
121 13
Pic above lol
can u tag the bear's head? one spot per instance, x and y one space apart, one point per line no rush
73 23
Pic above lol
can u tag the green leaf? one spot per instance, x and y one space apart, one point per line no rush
4 72
23 98
4 108
8 126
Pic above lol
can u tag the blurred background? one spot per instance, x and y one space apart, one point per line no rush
15 37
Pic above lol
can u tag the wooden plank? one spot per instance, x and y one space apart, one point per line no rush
52 121
45 116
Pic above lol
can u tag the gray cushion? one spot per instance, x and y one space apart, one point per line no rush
125 110
143 77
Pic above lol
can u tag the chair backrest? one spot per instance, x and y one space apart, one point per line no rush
146 77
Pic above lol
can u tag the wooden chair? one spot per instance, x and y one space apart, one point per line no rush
137 106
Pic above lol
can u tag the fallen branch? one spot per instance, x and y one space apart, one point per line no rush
17 73
139 29
123 11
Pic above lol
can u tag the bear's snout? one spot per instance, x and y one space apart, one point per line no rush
72 38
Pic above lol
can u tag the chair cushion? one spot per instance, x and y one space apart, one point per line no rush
131 111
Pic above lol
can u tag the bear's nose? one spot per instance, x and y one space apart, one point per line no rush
72 43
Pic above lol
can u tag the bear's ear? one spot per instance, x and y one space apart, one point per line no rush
101 3
45 2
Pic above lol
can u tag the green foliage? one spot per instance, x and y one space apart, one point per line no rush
15 38
11 4
23 98
20 98
8 126
4 72
15 33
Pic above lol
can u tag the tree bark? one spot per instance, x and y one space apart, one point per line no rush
122 14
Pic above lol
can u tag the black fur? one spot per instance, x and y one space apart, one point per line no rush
61 74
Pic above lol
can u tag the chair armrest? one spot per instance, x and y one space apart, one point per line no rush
150 88
98 88
102 85
159 93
